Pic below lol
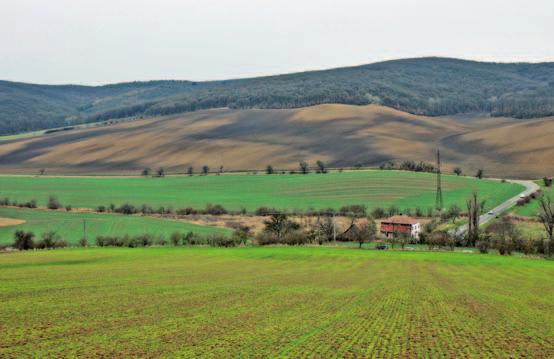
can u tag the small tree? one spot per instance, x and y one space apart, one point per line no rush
321 167
146 172
364 233
190 171
279 224
53 203
479 173
303 167
546 217
160 172
42 171
269 170
547 181
24 240
473 211
83 242
205 170
454 212
458 171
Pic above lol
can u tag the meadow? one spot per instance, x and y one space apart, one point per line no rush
532 208
274 302
69 225
236 191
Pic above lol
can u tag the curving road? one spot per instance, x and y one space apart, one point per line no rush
530 187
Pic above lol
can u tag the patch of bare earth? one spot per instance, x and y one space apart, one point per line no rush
6 222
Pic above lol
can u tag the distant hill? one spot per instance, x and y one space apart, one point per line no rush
339 135
426 86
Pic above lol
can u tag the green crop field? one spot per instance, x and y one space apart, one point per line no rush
70 225
532 208
274 302
372 188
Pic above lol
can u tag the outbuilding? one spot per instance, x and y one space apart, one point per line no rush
396 225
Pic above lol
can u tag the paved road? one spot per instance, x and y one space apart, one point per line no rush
530 187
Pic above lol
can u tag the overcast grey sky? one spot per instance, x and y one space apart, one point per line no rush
105 41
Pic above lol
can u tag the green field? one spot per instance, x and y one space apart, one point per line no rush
372 188
532 208
70 225
268 302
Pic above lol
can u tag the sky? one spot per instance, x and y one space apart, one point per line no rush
101 41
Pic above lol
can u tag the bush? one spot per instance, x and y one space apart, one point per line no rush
266 238
215 209
68 208
101 209
146 209
23 240
483 246
378 213
220 240
51 240
4 201
265 211
357 210
83 242
296 238
176 238
53 203
30 204
126 209
186 211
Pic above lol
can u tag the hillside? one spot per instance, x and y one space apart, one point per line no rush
340 135
427 86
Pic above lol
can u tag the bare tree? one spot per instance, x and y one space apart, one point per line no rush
269 169
546 216
473 211
303 167
205 170
458 171
190 171
479 173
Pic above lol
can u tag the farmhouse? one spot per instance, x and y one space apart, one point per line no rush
400 225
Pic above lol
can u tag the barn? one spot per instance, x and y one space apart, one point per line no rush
396 225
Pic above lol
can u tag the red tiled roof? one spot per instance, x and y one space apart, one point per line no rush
400 220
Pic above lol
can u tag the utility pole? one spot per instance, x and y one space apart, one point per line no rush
439 205
85 229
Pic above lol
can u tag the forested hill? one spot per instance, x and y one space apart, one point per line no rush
430 86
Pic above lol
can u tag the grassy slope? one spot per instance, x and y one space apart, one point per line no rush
532 208
274 302
372 188
70 225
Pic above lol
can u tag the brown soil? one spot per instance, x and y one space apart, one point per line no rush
5 222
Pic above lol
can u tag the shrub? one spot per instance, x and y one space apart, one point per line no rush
23 240
186 211
101 209
483 246
266 238
265 211
146 209
126 209
51 240
220 240
53 203
215 209
4 201
357 210
176 238
378 213
68 208
83 242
